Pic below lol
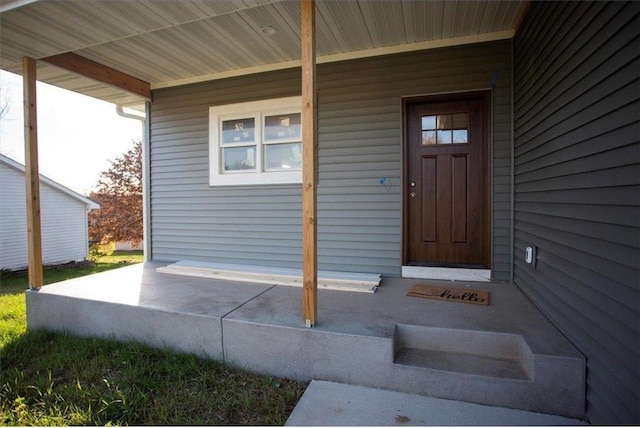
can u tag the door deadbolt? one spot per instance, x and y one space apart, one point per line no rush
412 184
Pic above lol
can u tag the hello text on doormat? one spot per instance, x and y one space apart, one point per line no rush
460 295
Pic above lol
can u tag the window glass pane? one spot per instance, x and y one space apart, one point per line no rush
239 158
282 127
445 129
428 137
444 122
444 137
283 157
460 126
428 122
238 130
460 121
460 136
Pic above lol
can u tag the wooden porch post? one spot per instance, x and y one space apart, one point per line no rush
32 173
309 174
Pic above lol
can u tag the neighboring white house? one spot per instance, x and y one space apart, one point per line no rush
63 219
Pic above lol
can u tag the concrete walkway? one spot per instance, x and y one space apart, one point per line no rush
337 404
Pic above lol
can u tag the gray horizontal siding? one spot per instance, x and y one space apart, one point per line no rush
577 188
360 141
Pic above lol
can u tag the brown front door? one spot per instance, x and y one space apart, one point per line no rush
446 193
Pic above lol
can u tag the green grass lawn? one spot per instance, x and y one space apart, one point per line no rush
13 282
56 379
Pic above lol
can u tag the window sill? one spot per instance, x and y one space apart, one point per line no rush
289 177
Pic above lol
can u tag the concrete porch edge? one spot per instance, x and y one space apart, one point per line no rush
259 328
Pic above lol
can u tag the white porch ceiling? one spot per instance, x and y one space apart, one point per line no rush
170 42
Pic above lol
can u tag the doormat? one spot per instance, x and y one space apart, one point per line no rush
460 295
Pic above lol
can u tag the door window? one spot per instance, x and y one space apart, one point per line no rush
445 129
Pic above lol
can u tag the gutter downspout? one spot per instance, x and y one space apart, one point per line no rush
145 175
121 112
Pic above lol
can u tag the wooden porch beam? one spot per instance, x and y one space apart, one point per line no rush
309 173
32 173
96 71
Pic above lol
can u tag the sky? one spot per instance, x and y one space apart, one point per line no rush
77 135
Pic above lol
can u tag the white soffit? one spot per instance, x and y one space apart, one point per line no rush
341 57
168 43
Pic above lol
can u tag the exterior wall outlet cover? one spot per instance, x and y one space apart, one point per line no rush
530 255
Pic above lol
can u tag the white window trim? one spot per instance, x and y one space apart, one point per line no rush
258 109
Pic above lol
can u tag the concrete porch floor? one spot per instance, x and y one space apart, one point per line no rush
506 354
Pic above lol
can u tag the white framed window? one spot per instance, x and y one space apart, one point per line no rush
258 142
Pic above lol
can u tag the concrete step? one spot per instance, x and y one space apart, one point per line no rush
336 404
482 353
505 355
486 367
460 363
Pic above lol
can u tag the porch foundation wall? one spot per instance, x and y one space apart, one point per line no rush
183 332
306 355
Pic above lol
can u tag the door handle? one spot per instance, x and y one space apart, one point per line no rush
412 194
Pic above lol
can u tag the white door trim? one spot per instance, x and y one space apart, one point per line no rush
452 274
